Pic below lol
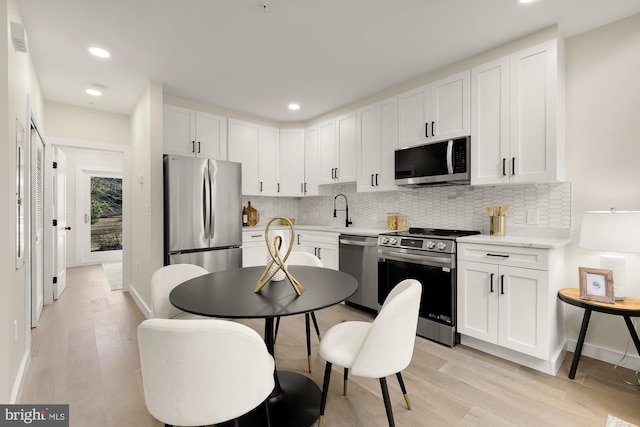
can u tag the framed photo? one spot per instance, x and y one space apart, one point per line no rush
596 285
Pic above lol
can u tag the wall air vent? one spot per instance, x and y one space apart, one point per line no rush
19 37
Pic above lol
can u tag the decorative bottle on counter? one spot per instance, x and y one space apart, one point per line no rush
245 217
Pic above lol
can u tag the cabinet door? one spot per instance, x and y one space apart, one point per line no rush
268 161
368 153
377 141
522 314
327 152
211 136
450 107
388 137
478 288
178 131
347 142
490 123
291 162
243 147
311 161
328 254
534 95
414 111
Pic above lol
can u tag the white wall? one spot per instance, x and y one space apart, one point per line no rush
603 152
147 214
18 82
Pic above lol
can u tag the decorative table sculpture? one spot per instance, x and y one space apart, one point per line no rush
274 251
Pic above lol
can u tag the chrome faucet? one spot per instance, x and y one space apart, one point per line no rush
346 209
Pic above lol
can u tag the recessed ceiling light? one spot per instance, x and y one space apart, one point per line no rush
99 52
294 107
93 92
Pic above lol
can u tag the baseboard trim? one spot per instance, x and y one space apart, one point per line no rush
20 377
550 367
139 302
631 361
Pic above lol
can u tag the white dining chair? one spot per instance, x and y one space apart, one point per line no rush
163 281
202 372
304 258
375 349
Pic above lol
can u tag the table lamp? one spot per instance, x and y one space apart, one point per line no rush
613 232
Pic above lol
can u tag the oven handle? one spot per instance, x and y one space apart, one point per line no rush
358 242
416 259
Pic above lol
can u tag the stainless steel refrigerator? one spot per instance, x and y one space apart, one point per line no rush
202 212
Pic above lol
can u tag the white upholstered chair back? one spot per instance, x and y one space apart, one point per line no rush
201 372
303 258
164 280
388 346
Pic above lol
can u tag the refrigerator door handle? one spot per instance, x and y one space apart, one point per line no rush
212 197
206 203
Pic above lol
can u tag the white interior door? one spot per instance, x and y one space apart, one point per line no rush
37 226
60 222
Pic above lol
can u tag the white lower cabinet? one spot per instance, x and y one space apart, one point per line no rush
322 244
254 247
507 298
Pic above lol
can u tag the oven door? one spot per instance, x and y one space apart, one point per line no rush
436 275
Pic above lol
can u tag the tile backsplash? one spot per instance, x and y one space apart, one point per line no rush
543 209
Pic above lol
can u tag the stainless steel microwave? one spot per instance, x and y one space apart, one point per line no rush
444 162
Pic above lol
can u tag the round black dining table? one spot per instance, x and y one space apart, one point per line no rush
295 401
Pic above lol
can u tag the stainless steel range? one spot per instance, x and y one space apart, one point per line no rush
428 255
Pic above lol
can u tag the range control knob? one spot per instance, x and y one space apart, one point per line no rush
430 245
442 246
385 240
394 241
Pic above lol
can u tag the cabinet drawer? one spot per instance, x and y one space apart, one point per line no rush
505 255
318 238
251 236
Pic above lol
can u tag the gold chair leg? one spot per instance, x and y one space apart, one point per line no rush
406 399
320 420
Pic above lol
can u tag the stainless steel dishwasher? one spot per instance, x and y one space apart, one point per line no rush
359 258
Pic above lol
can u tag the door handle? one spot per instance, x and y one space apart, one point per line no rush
377 179
305 188
198 147
433 126
278 187
491 280
193 146
261 186
513 166
426 130
68 228
336 173
502 284
372 180
504 170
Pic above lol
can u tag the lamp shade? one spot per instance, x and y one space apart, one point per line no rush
611 231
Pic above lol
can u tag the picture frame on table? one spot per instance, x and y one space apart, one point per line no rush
596 284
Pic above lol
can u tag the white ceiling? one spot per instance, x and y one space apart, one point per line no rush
322 54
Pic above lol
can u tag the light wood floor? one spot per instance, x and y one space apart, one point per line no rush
85 353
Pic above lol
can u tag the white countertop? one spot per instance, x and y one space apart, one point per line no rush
518 241
358 231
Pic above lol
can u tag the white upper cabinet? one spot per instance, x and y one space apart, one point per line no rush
436 111
244 140
517 117
346 138
337 149
377 140
268 161
310 187
327 152
291 162
188 132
